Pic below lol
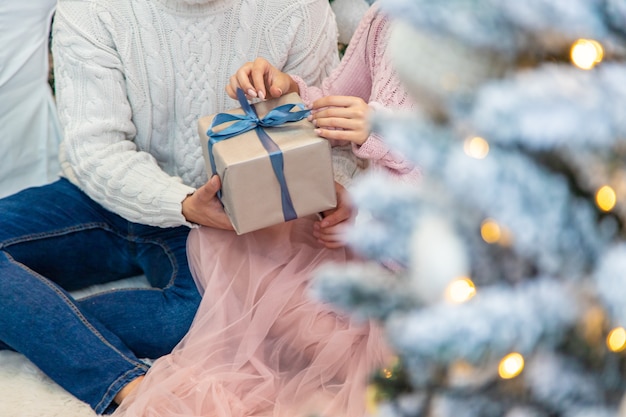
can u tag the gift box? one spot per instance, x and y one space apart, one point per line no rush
272 165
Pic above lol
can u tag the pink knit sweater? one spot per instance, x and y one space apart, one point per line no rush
366 72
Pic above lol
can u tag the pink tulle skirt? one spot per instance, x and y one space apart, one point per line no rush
259 345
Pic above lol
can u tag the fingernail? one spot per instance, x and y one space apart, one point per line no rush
261 95
309 117
318 132
251 93
280 92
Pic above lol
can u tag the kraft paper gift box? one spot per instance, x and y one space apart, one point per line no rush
257 189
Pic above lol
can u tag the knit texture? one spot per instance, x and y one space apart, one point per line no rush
134 76
366 71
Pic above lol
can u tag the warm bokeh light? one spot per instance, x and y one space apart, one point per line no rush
371 399
476 147
616 340
460 290
511 365
592 324
606 198
490 231
586 53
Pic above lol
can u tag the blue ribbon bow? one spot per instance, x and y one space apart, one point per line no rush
249 121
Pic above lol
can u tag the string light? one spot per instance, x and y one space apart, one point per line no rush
616 340
511 366
460 290
490 231
606 198
476 147
387 373
586 53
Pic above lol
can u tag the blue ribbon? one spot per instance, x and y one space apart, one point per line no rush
250 121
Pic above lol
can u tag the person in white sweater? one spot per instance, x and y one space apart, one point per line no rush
132 78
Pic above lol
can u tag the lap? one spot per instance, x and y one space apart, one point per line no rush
59 232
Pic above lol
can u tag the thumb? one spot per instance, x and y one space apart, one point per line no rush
213 185
335 216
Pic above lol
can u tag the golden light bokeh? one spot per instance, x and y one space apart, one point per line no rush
511 366
476 147
490 231
460 290
371 399
586 53
616 340
606 198
592 325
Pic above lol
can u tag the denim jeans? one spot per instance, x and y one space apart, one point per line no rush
55 239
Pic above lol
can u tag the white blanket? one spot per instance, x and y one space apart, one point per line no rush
26 392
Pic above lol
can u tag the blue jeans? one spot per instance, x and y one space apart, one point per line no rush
55 239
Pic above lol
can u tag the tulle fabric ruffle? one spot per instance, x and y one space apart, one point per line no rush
260 346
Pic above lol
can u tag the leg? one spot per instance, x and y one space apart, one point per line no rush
53 239
151 321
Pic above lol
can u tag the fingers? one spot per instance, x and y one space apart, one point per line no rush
353 108
331 237
260 74
212 186
241 79
250 77
342 212
203 207
336 216
343 118
259 79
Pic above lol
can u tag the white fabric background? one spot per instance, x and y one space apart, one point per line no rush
29 131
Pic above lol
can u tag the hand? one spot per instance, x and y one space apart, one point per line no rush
261 79
330 231
203 207
341 118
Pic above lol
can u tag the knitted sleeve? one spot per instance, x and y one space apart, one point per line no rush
98 153
366 72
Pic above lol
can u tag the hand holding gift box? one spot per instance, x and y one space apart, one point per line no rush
272 165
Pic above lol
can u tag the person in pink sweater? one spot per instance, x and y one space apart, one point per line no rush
260 345
364 82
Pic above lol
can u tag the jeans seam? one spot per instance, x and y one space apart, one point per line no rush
60 232
170 255
104 226
76 311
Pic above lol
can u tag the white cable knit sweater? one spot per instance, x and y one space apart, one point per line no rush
133 76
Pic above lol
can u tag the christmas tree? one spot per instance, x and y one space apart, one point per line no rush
512 299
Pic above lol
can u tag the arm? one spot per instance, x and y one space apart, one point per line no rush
342 109
98 153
